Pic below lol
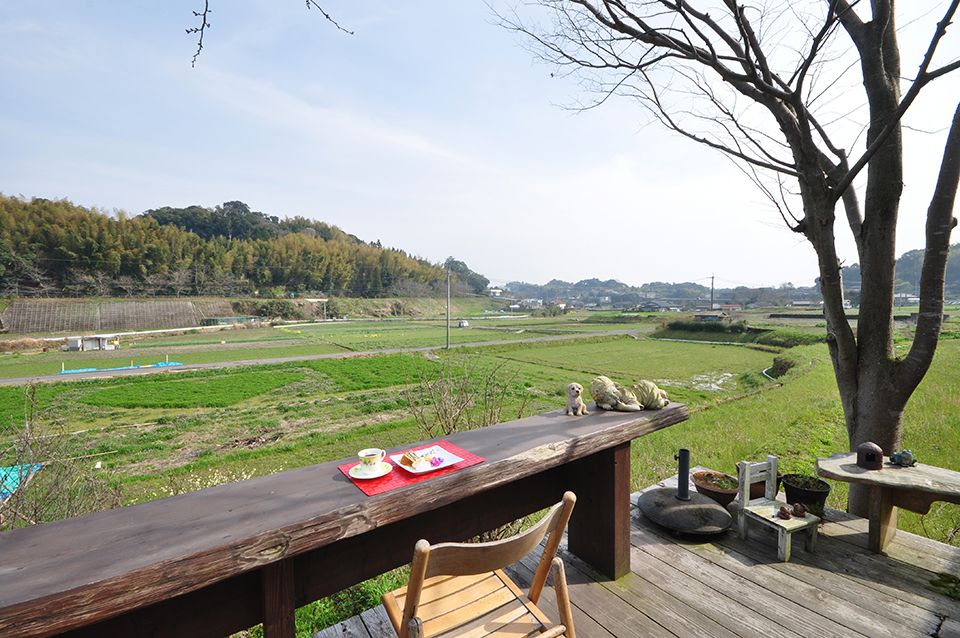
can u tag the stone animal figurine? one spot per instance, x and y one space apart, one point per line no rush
613 396
643 395
575 404
649 395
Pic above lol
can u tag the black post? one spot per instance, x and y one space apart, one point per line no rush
683 475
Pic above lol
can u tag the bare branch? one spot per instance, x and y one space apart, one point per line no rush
204 25
924 77
201 29
327 16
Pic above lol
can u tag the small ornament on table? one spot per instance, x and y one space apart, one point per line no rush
904 458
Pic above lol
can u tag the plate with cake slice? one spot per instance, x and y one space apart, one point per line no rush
426 459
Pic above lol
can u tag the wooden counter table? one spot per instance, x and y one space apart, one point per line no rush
913 488
219 560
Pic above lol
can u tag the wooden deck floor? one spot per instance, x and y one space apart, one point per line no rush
721 587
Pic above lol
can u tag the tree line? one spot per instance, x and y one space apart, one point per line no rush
58 248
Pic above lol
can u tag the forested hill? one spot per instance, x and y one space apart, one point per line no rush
57 247
235 220
907 279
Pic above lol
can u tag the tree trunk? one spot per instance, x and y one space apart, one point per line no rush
879 392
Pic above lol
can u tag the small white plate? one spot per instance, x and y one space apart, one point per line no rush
448 459
357 474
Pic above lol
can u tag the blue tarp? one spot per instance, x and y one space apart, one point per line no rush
11 478
151 365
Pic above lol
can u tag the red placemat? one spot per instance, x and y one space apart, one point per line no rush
399 477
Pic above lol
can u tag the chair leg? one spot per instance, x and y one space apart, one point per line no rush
741 525
783 545
563 597
811 541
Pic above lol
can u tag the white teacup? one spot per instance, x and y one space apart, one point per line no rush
370 459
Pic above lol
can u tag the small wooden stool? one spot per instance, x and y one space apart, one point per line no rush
765 509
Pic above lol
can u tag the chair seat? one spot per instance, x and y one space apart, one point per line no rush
766 510
486 604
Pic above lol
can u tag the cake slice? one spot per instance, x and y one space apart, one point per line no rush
411 459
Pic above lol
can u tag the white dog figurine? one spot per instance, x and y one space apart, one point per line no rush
575 405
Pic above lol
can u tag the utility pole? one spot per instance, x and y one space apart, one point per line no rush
711 293
448 305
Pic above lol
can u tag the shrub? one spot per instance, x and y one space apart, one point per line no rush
781 365
282 308
789 338
708 326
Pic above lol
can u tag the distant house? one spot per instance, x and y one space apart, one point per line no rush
731 307
532 303
494 292
802 303
709 316
92 342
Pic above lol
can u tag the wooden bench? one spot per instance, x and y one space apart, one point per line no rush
913 488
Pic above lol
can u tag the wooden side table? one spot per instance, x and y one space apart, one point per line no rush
913 488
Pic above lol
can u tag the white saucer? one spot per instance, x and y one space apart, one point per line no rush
357 474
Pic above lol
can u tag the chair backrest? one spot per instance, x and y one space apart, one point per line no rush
751 472
461 559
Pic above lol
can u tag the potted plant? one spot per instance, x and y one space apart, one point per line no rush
719 486
758 488
809 490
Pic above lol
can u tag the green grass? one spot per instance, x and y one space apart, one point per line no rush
211 392
797 421
690 372
361 373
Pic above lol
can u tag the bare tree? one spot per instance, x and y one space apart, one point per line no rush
180 280
127 284
70 484
764 77
154 284
458 394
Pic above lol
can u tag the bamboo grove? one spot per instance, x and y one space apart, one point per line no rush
58 248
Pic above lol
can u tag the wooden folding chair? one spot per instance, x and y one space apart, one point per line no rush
765 509
459 589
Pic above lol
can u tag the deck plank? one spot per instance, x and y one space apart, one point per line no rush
815 594
597 607
673 615
350 628
378 623
779 598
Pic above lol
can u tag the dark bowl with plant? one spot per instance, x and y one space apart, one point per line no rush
809 490
719 486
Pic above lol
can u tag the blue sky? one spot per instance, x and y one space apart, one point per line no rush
430 129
